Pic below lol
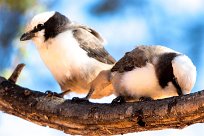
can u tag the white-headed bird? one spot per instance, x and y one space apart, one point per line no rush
73 53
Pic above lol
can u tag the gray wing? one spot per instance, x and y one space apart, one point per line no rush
131 60
92 43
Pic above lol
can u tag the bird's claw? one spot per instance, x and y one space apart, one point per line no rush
50 93
79 100
145 99
118 100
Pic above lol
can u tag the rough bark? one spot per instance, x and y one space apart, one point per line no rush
99 119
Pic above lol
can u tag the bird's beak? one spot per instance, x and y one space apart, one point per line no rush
27 36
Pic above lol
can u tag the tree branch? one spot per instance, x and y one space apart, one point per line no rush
100 119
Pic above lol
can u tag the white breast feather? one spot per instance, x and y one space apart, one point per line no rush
58 54
140 81
63 56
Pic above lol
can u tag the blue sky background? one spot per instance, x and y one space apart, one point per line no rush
177 24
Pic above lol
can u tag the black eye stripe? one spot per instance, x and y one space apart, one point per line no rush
38 28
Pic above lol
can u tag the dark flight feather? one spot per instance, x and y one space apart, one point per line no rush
91 42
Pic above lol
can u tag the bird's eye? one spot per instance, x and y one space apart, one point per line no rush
40 26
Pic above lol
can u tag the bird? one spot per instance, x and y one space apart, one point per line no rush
73 53
150 73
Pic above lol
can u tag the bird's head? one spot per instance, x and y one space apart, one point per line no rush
44 26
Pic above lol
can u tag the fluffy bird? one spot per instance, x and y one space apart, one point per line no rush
73 53
152 72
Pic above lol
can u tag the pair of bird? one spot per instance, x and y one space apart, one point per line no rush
76 57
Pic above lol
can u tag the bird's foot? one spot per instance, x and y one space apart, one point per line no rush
80 100
60 95
145 99
118 100
50 93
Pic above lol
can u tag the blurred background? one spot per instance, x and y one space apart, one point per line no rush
177 24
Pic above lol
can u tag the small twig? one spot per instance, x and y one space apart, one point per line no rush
13 78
